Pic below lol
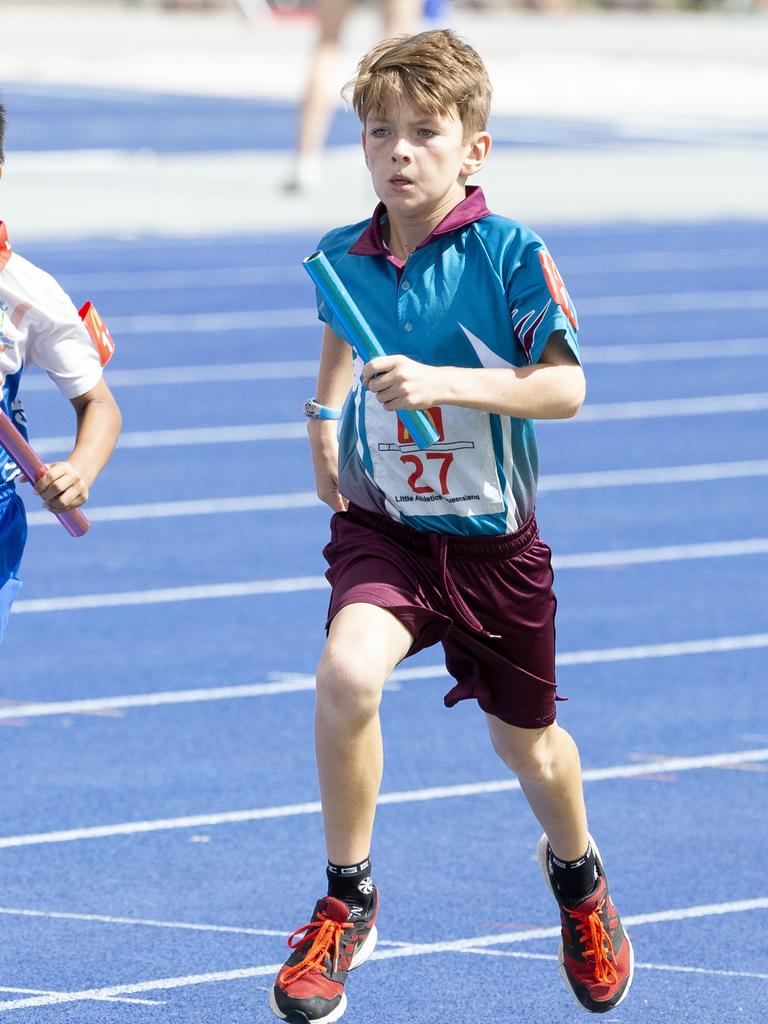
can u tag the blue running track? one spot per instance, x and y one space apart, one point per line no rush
161 834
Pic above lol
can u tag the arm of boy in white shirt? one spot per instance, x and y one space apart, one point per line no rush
67 484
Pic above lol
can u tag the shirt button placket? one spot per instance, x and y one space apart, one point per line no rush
407 325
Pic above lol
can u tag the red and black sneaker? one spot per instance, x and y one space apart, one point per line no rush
310 986
596 957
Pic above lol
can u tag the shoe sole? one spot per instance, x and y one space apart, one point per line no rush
361 955
541 855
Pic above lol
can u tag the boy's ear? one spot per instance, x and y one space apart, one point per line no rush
365 151
477 153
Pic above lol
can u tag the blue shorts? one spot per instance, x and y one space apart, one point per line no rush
13 537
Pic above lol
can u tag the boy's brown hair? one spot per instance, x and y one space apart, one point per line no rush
433 71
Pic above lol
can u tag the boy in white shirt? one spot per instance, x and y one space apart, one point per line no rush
40 325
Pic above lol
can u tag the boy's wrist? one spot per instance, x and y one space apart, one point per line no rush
449 385
86 475
323 436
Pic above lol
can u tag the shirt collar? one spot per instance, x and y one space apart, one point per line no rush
5 246
470 209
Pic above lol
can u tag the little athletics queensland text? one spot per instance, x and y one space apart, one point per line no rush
436 497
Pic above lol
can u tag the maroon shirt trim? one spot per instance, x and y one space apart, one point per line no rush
371 242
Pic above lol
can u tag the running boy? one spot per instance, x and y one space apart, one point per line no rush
39 324
441 544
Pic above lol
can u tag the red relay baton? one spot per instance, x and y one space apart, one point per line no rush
33 467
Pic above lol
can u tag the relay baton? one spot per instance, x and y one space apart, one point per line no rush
361 337
32 466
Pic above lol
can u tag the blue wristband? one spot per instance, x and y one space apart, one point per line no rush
315 411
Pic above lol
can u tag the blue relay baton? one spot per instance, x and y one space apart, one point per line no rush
361 337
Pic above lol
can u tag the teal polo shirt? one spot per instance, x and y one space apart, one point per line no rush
480 291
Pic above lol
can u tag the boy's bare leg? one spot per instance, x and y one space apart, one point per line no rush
364 645
317 104
399 17
547 763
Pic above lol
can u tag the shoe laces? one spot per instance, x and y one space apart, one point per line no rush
596 942
325 935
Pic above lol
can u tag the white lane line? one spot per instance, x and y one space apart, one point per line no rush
703 472
161 280
194 507
162 376
157 985
296 584
207 373
191 436
714 972
410 950
674 351
532 934
165 595
94 705
214 323
508 785
139 922
695 473
295 431
303 683
673 302
662 408
104 999
684 914
214 373
668 553
276 319
671 968
715 645
661 260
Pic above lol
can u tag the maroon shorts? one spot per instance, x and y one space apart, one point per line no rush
489 600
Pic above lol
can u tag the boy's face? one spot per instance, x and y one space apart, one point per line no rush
418 160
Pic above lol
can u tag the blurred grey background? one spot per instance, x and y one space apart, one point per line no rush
602 113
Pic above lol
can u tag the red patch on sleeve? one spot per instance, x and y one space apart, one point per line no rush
97 329
557 288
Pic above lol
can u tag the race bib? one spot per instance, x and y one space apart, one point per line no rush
457 475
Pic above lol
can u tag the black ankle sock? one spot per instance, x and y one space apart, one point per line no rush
573 879
351 883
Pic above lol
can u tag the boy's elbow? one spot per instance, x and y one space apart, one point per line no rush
576 393
117 421
112 417
113 412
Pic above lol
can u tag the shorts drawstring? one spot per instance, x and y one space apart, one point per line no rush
439 544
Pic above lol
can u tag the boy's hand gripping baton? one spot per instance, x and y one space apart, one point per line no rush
26 458
361 337
32 466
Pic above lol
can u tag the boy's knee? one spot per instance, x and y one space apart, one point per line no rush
528 753
350 680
